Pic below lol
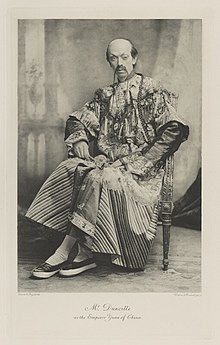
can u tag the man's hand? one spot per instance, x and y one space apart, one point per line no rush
81 150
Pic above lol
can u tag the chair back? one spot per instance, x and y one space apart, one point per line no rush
166 205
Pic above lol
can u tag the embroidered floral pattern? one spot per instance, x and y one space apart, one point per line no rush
124 118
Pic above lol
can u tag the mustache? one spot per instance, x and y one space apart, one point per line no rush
121 68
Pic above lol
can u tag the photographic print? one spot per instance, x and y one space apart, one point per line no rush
109 155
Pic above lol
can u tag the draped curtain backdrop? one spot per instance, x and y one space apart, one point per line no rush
62 62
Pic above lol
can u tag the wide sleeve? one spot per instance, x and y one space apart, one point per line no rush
83 124
170 133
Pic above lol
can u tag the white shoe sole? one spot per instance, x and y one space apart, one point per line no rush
44 274
75 271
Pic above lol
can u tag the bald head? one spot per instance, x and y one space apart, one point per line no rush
120 43
122 56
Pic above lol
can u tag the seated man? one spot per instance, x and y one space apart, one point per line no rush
109 203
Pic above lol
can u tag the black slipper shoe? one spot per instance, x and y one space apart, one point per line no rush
46 270
75 268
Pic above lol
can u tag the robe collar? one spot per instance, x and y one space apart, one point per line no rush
134 81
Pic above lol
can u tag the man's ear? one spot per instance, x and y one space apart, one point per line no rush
134 60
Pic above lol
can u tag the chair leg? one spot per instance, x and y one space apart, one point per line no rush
167 209
166 243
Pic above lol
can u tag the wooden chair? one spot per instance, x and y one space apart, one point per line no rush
167 199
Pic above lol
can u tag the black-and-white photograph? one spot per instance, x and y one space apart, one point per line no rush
109 155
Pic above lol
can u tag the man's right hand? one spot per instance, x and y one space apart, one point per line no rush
81 150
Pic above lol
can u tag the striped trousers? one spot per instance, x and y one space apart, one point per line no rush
116 213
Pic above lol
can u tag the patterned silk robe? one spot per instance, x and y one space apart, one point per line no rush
114 207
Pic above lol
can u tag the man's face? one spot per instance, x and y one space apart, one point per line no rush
120 59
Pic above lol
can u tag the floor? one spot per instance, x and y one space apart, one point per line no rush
183 276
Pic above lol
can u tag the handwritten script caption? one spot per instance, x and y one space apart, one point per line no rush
107 313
